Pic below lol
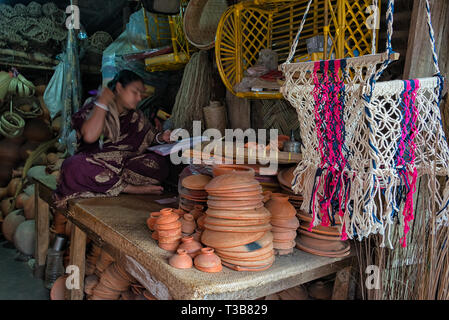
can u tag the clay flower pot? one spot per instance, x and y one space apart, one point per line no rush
181 260
280 207
191 246
197 211
188 224
222 169
208 261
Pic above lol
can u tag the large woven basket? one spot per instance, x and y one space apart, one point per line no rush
201 21
215 116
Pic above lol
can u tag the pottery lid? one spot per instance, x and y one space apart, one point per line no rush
196 182
217 239
260 213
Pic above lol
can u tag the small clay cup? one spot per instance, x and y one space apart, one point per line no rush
181 260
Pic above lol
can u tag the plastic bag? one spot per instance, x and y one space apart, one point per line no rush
53 95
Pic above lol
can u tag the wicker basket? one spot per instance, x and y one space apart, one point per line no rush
215 116
27 108
201 21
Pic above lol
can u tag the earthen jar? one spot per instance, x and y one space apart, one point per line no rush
181 260
169 239
179 212
151 221
167 216
168 226
192 246
197 211
201 221
280 207
197 235
169 233
188 224
266 196
208 261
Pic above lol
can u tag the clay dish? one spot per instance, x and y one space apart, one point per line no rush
326 231
234 203
167 217
292 223
265 241
319 236
285 177
241 257
260 213
253 264
248 254
236 223
240 268
193 193
187 197
341 254
284 245
288 235
221 169
258 197
196 182
231 181
248 229
237 191
181 260
220 240
242 208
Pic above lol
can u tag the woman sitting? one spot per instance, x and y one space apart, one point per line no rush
112 139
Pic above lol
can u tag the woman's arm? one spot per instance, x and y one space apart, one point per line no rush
92 128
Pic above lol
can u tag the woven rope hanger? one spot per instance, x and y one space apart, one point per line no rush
362 171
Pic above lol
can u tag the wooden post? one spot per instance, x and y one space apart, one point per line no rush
341 285
77 258
42 214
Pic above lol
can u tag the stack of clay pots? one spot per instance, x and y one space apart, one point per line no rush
168 228
237 225
285 178
113 282
321 240
284 222
103 262
186 252
91 259
192 191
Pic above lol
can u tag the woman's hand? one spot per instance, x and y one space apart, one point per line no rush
106 97
166 136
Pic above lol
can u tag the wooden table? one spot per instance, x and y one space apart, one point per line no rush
118 225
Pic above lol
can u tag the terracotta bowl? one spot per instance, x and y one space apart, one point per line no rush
235 223
260 213
241 268
231 208
292 223
208 261
327 231
217 239
222 169
191 246
258 197
260 263
249 254
265 241
228 182
288 235
253 189
169 233
168 226
246 259
283 252
167 217
57 291
284 245
169 239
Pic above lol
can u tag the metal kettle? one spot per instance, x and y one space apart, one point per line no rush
292 145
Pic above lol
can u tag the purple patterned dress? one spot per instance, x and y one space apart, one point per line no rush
106 171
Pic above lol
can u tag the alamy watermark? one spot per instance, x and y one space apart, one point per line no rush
73 20
373 20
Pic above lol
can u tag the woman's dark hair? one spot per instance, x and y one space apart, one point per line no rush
125 77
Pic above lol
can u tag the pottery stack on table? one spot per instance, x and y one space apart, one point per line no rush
91 259
321 240
192 191
114 280
285 178
237 225
168 228
103 262
284 222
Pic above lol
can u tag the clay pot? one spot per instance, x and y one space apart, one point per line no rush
266 196
260 263
168 226
260 213
188 224
239 229
155 235
11 223
5 205
12 186
196 182
181 260
291 223
251 269
235 204
151 221
57 291
9 152
169 239
216 239
179 212
222 169
265 241
21 199
37 130
169 233
167 216
191 246
235 223
280 207
197 211
201 221
171 247
284 245
25 237
253 191
197 235
288 235
320 290
208 261
245 255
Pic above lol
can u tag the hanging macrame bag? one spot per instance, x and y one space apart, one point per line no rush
365 143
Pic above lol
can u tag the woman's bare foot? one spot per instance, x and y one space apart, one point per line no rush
150 189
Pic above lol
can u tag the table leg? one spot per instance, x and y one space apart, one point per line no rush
77 259
341 285
42 214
